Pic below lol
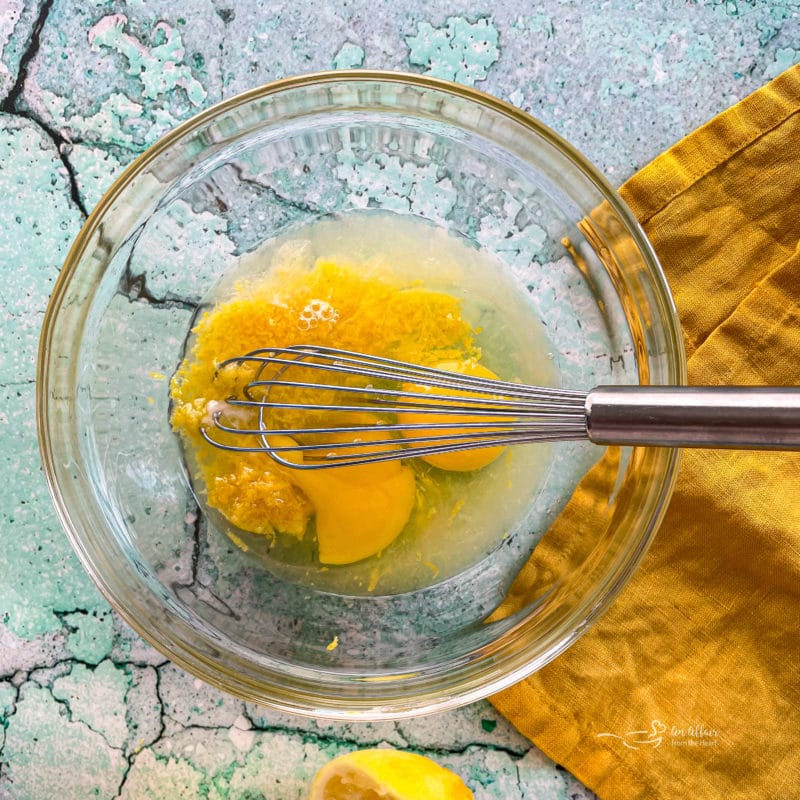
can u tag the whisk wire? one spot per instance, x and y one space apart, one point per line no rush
479 412
358 364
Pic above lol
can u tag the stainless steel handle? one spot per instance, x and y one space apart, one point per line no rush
744 417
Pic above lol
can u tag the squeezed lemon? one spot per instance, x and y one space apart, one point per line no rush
387 775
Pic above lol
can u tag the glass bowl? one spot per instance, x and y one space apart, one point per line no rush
182 215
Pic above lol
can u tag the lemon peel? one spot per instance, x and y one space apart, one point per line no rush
387 775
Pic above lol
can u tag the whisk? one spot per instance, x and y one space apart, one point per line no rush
464 412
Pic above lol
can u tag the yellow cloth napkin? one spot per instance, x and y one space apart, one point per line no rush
689 687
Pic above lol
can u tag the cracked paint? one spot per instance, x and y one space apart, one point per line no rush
87 709
37 224
396 185
189 702
160 68
461 51
144 72
96 697
171 270
95 169
90 635
41 741
17 22
349 56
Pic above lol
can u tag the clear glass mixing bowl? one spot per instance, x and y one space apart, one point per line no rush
216 188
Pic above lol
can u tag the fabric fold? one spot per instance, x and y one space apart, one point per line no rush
689 686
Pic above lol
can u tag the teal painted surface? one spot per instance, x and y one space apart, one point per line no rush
87 710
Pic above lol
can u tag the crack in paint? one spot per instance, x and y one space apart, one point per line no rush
130 758
135 289
328 739
201 591
321 739
10 106
134 286
4 718
32 679
274 194
195 514
162 726
10 384
513 753
32 49
70 661
76 721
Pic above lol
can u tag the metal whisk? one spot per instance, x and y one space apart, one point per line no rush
329 388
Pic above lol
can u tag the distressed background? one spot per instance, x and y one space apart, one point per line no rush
86 708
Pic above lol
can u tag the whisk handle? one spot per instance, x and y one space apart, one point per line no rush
744 417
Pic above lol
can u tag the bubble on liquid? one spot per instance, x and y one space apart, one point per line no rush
317 311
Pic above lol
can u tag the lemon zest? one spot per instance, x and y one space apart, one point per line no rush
354 307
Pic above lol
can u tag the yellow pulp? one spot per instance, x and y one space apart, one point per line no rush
357 511
387 775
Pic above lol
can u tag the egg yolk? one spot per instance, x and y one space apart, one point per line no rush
356 511
361 509
460 460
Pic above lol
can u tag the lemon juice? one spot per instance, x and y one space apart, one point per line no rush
389 285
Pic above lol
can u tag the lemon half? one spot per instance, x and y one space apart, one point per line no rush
387 775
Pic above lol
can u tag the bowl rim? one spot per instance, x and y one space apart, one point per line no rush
198 664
